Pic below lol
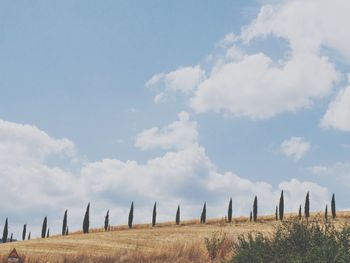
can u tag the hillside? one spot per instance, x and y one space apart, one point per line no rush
166 242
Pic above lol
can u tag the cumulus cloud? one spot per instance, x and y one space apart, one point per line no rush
22 143
295 147
177 135
338 113
308 26
185 176
258 87
183 80
28 184
253 84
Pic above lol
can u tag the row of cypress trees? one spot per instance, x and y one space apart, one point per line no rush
280 208
5 233
279 214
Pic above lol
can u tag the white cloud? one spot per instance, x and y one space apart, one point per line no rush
295 192
189 178
30 186
159 98
227 41
307 25
184 176
295 147
177 135
258 86
183 80
339 171
25 143
338 112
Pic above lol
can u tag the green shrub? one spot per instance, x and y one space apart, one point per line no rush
296 242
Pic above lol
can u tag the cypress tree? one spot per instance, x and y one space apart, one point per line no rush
29 235
11 238
255 209
251 216
5 232
276 213
300 212
229 212
204 213
24 232
106 220
64 224
86 221
43 229
307 206
48 233
131 215
154 214
326 213
281 206
333 207
67 231
177 218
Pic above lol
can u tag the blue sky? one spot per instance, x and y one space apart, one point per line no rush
71 67
243 100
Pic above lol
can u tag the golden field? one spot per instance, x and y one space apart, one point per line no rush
164 243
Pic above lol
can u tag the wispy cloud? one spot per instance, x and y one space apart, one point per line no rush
295 147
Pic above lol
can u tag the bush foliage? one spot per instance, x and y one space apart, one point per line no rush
297 242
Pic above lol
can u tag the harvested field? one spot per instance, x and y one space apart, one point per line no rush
164 243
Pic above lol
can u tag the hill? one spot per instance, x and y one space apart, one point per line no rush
164 243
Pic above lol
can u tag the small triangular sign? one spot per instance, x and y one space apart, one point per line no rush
13 254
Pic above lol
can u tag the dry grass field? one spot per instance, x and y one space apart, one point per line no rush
164 243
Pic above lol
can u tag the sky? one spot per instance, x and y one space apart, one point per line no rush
177 102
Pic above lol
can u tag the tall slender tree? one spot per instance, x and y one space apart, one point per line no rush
48 233
131 215
307 206
177 218
67 231
154 214
333 207
11 238
44 227
281 206
86 222
106 221
300 212
204 213
255 209
326 213
276 213
29 235
229 211
5 232
64 224
24 232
